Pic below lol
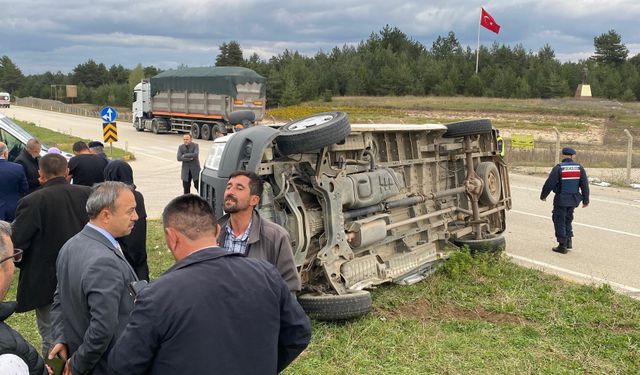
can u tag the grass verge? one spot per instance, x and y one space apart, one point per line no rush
65 142
476 315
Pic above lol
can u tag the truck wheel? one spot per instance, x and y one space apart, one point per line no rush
195 131
493 244
336 307
313 132
469 127
205 131
488 172
154 126
138 124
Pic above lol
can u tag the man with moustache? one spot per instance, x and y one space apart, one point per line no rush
92 303
245 232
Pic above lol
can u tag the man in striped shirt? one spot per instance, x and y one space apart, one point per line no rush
244 231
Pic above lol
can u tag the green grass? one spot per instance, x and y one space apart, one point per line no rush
65 142
481 315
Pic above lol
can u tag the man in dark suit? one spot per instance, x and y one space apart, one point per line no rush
14 185
91 305
188 154
213 311
45 220
28 158
86 168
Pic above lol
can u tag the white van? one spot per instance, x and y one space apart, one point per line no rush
15 137
5 100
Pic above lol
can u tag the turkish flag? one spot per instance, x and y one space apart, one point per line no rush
488 22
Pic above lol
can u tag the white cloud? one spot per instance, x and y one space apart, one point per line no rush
40 33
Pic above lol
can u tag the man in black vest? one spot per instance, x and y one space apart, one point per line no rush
569 182
17 356
29 158
85 167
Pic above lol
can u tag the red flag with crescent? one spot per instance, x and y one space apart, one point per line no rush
488 22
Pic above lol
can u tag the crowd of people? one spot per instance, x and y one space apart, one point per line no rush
77 231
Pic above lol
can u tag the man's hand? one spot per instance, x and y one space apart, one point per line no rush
60 349
585 205
67 368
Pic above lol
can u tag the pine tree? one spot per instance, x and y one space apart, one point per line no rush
11 77
230 54
609 48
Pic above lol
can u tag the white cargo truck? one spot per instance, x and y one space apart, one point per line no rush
199 101
5 100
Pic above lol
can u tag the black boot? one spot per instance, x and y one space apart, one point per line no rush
561 248
569 244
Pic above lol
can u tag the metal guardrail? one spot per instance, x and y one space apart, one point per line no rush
57 106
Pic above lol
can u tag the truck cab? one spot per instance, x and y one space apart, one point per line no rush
141 101
368 204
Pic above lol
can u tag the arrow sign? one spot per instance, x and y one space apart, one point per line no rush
108 114
109 132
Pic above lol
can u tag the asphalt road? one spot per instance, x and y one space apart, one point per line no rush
607 233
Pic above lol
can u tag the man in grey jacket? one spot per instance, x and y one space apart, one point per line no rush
245 232
188 154
92 304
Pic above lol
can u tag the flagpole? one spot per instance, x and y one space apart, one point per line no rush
478 48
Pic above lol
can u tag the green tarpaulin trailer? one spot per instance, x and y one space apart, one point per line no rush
199 101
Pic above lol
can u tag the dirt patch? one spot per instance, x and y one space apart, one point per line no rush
425 311
591 130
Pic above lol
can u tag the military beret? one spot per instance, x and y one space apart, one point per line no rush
95 144
568 151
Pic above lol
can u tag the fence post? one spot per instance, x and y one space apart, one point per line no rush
629 155
557 145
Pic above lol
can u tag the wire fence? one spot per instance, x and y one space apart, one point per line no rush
57 106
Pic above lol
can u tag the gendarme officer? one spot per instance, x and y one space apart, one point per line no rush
569 182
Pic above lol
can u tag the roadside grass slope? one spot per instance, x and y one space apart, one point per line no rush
65 141
476 315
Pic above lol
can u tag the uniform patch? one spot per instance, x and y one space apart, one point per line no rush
570 172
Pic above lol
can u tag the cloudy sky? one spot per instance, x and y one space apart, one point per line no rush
57 35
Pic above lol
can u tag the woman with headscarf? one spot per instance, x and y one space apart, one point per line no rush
134 246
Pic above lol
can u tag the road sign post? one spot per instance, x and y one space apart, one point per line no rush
108 114
109 128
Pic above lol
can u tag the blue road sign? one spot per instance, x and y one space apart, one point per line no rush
108 114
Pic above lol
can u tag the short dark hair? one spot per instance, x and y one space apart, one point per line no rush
255 183
95 144
53 165
79 146
190 215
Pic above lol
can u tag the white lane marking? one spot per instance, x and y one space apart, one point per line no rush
591 198
574 273
580 224
153 156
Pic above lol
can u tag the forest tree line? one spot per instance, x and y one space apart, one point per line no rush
388 63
